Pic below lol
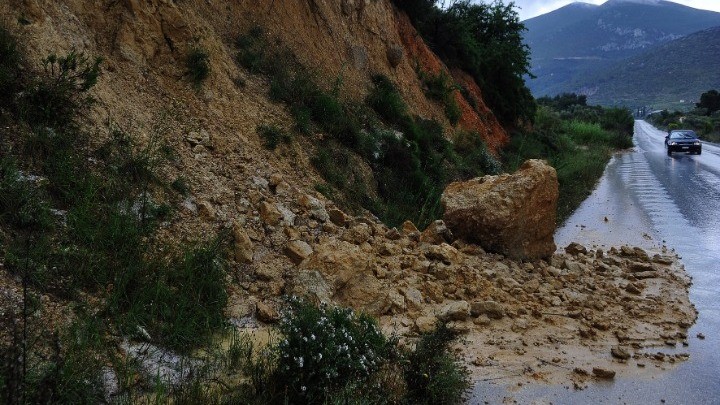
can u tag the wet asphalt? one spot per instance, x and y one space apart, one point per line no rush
649 199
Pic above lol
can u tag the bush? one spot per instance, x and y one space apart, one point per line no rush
386 100
57 98
432 373
326 349
197 64
273 135
10 72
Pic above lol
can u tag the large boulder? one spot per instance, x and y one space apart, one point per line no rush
509 214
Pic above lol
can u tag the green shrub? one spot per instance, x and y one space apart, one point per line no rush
386 100
326 349
432 372
251 50
21 204
273 135
197 64
452 110
58 97
10 68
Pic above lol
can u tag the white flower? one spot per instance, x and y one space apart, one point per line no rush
303 388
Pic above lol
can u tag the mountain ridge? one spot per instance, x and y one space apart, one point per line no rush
574 40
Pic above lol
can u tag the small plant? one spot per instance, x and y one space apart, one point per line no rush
272 136
10 62
386 100
197 64
433 374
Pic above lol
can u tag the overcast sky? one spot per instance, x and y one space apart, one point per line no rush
531 8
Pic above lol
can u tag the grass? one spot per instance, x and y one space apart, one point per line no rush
578 150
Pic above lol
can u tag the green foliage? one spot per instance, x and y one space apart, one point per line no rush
575 143
58 97
197 64
331 355
273 135
21 203
706 125
710 100
10 63
409 167
432 373
440 87
386 100
326 349
180 302
486 40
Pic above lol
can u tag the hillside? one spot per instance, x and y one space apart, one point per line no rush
175 174
672 75
582 38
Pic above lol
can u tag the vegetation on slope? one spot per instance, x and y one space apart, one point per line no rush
704 119
485 40
410 158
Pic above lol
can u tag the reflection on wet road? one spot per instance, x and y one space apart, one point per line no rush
648 199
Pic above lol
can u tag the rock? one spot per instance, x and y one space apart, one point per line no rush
347 7
436 233
413 297
633 288
425 324
393 234
337 217
575 248
646 274
310 284
509 214
619 353
492 309
359 57
201 137
395 55
663 259
242 245
315 208
701 336
298 251
206 210
408 227
603 373
266 313
443 252
455 311
270 214
358 234
637 267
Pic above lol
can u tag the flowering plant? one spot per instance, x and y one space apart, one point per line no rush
325 348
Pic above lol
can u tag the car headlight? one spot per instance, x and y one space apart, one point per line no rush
673 143
697 143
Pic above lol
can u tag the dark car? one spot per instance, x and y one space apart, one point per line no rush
683 140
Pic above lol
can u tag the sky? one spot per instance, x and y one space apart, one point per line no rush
531 8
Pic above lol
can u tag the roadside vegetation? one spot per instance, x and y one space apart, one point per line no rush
576 139
704 119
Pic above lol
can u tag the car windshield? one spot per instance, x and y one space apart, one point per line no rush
683 135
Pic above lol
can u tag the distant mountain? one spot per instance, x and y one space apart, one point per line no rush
671 75
580 38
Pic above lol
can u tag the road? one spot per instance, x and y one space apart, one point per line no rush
651 200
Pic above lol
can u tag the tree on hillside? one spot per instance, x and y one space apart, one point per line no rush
710 100
485 40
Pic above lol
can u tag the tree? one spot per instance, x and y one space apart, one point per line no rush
485 40
710 100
